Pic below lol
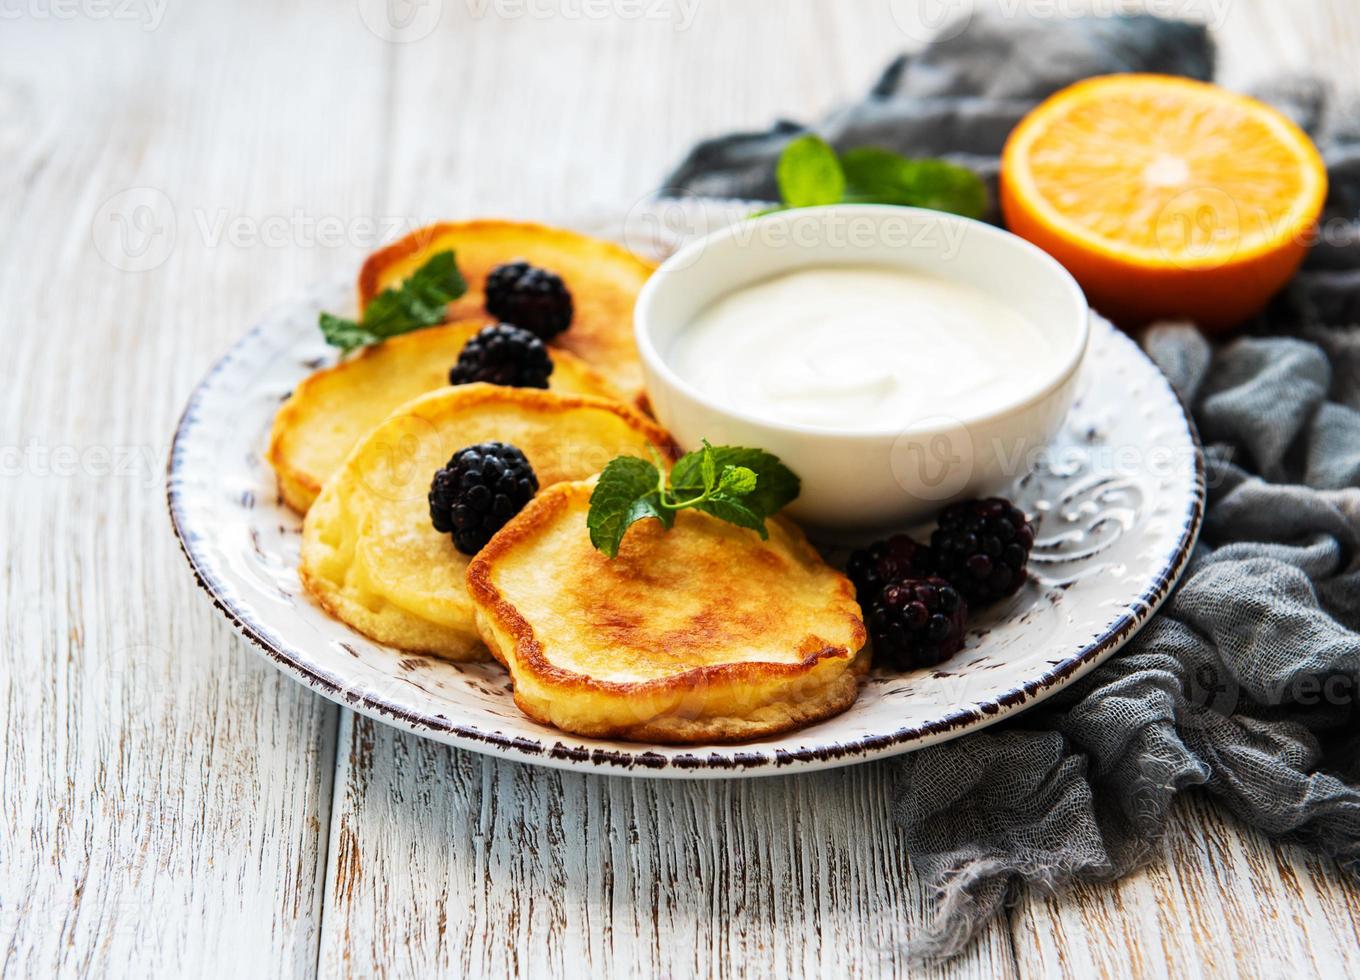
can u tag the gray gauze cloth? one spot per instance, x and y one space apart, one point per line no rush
1246 683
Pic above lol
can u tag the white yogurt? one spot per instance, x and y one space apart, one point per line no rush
860 347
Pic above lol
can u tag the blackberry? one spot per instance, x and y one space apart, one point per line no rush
480 489
529 297
917 622
503 355
896 557
982 547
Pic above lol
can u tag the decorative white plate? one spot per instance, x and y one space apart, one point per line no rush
1117 503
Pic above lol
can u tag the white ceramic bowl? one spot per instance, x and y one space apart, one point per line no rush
867 478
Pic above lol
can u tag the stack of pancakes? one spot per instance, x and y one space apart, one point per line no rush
705 633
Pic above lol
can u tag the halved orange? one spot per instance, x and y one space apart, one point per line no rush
1165 196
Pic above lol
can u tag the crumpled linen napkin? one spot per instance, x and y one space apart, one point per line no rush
1247 683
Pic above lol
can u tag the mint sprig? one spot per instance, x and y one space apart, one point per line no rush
735 484
810 173
418 301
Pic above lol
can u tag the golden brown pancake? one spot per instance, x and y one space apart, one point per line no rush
604 280
334 408
370 555
704 633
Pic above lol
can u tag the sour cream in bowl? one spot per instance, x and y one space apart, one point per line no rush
895 358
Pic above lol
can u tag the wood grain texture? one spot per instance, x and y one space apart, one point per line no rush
447 863
1221 901
173 804
166 793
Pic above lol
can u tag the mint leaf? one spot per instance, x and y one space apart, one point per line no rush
735 484
737 481
345 334
875 173
776 485
880 176
947 187
627 491
736 512
688 475
651 506
708 468
418 301
809 174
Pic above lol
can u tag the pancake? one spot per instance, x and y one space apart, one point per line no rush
704 633
370 555
604 280
334 408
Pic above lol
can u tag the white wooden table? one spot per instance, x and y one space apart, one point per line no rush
172 804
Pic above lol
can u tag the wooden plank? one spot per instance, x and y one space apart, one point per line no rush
444 862
1221 900
166 792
